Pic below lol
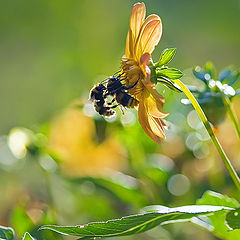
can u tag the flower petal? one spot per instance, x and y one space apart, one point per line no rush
136 20
156 126
149 36
153 100
154 105
150 115
147 122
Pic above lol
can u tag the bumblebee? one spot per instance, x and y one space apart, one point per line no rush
97 92
97 97
103 110
118 91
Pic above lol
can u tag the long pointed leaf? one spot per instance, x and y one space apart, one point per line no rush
135 223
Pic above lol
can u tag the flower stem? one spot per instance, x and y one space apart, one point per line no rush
231 113
207 125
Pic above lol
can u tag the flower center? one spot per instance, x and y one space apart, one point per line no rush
133 74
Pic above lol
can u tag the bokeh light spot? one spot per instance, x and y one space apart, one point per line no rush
193 119
178 185
191 140
161 161
89 110
128 118
17 142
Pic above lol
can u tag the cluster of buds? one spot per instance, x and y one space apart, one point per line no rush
216 87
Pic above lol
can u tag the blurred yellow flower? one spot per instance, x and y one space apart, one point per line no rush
143 36
71 138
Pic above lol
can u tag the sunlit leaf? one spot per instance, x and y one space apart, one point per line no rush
6 233
233 219
27 236
168 83
218 220
166 56
135 223
171 73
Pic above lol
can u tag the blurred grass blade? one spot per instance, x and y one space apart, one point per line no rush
210 69
200 75
124 187
166 56
171 73
27 236
225 74
233 219
6 233
234 78
136 223
20 221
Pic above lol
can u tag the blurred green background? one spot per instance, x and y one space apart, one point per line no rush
53 51
53 168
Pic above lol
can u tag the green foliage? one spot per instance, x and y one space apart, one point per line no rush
120 187
221 83
167 82
136 223
6 233
160 73
216 87
27 236
217 221
233 219
20 221
166 56
170 73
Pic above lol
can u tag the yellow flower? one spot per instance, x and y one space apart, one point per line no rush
143 36
71 138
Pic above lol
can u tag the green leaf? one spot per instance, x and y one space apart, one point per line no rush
135 223
233 219
6 233
168 83
217 199
217 220
171 73
166 56
27 236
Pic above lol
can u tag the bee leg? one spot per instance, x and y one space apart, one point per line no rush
115 106
117 73
121 109
127 88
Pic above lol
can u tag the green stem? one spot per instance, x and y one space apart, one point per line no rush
219 148
231 113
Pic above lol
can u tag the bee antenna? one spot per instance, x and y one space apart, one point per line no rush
117 73
105 80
